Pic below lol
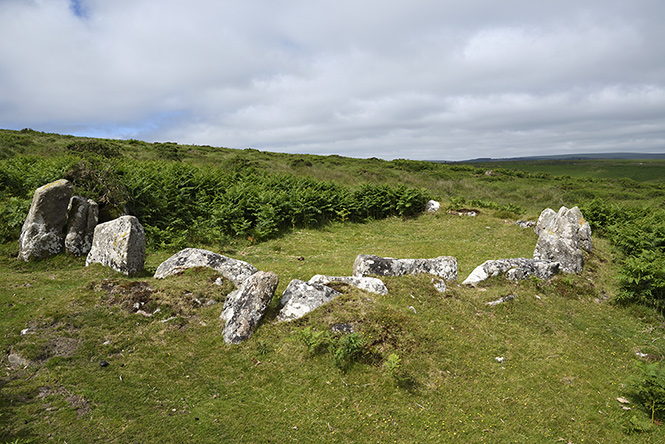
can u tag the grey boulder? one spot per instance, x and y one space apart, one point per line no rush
515 269
444 267
245 307
119 244
301 297
43 232
561 238
371 284
235 270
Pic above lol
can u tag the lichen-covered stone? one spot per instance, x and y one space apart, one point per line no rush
373 285
561 238
83 215
432 206
245 307
301 297
43 232
515 269
444 267
235 270
119 244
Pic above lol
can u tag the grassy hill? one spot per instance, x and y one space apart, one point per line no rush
547 366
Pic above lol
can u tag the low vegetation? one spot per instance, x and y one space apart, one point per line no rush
94 356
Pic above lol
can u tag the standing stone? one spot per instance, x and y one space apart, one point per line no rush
83 216
233 269
43 232
561 238
119 244
244 308
301 297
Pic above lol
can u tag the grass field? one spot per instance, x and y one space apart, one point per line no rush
546 367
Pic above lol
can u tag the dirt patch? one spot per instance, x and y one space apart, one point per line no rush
76 402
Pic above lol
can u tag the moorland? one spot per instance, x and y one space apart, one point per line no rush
576 359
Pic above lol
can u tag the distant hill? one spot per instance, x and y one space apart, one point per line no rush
595 156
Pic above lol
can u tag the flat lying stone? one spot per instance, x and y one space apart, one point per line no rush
443 266
235 270
515 269
301 297
373 285
244 308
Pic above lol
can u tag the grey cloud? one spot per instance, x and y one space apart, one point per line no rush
422 79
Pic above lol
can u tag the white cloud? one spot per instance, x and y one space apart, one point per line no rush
420 79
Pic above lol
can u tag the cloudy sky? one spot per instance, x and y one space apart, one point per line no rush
418 79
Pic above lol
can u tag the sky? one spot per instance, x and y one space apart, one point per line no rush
415 79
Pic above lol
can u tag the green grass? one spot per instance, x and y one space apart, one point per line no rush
568 352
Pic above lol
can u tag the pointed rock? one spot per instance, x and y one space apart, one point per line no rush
43 232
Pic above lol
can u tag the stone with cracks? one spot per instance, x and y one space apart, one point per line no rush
373 285
561 238
83 215
301 297
119 244
244 308
235 270
43 232
514 269
444 267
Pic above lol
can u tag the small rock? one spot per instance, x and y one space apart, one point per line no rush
343 328
103 364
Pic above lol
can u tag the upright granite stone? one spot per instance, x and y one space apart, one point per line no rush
244 308
235 270
301 297
119 244
373 285
515 269
43 232
83 215
562 237
443 266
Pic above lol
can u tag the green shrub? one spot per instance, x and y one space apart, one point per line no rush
12 215
649 389
642 279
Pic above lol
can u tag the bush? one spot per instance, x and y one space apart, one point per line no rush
642 279
649 389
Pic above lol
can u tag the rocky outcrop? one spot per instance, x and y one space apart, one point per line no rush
432 206
301 297
235 270
514 269
244 308
373 285
43 232
561 238
82 219
443 266
119 244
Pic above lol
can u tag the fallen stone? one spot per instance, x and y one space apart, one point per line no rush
444 267
83 216
119 244
235 270
17 361
515 269
43 232
432 206
525 223
439 285
501 300
373 285
301 297
245 307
